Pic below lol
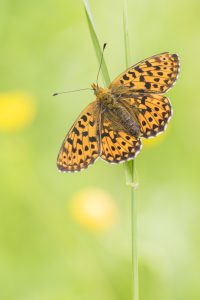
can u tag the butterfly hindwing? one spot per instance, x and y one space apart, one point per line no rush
155 74
117 146
152 111
81 147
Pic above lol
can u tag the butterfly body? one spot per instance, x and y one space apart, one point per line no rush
111 106
131 108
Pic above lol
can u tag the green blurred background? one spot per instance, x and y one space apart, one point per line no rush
67 236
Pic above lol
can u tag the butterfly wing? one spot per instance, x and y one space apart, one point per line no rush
152 111
155 74
117 146
81 148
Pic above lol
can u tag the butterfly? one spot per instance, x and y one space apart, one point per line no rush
131 108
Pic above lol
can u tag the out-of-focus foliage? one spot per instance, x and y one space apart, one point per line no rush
52 247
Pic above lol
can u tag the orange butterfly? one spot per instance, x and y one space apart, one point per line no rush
131 108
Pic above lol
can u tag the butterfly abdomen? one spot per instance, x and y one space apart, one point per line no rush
126 120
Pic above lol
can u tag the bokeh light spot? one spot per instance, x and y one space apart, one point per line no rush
94 209
17 110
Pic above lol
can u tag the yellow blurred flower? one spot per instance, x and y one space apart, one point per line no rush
17 110
94 209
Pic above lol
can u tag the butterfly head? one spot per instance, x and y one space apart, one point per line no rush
97 90
101 93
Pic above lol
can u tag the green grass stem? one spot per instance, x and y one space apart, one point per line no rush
130 165
130 177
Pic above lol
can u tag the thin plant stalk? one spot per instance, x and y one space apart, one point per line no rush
96 44
129 166
130 178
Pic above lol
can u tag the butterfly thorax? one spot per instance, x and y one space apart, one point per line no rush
105 96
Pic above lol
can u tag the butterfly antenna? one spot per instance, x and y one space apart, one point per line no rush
104 46
56 94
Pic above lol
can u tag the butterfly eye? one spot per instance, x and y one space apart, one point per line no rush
104 97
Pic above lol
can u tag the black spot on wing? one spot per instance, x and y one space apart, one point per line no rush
125 77
84 118
75 130
70 141
138 69
147 85
92 139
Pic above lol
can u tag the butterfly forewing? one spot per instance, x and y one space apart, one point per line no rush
81 146
117 146
155 74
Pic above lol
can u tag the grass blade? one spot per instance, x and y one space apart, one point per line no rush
130 177
129 166
96 44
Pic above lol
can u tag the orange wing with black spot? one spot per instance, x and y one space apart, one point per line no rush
152 111
81 146
117 146
155 74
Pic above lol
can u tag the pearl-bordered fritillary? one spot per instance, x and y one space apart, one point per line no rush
131 108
